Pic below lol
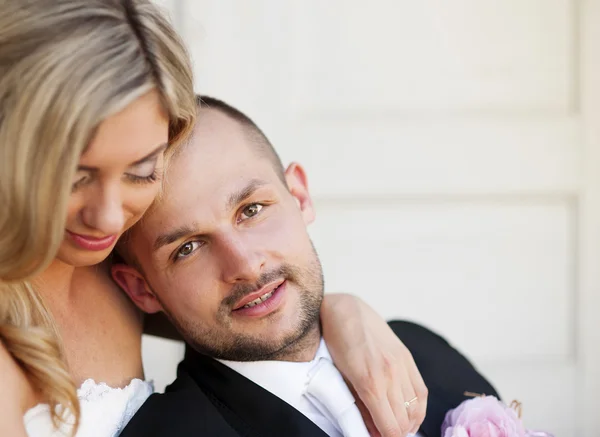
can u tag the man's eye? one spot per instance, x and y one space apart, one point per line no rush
187 249
251 210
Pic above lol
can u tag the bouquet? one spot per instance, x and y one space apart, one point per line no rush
486 416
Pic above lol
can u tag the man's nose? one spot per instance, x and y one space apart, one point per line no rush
241 261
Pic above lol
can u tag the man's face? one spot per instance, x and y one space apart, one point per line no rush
226 253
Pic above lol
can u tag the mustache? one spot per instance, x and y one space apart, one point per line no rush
241 290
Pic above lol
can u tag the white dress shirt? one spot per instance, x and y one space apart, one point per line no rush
288 381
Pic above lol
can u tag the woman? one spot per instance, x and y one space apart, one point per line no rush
94 97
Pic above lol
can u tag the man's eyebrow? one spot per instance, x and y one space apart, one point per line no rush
172 236
239 196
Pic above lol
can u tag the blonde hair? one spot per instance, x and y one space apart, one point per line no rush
66 65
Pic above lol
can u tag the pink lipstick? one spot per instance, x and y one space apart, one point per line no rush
92 243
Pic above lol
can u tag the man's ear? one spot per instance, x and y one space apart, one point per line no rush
295 177
136 287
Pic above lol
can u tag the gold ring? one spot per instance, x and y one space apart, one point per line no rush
407 403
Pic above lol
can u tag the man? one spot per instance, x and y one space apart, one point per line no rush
225 254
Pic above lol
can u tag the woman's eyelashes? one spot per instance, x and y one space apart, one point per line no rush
144 172
153 177
81 178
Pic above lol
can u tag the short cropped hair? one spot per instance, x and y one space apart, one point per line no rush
255 134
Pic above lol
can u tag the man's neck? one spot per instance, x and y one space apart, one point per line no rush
303 349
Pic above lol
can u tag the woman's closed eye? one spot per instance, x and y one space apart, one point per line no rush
187 249
143 172
81 178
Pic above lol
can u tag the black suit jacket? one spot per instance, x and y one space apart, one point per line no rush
210 399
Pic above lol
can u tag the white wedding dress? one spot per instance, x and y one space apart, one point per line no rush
104 410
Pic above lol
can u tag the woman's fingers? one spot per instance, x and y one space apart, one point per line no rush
399 394
419 408
376 364
364 412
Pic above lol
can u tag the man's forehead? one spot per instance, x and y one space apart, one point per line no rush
207 173
168 223
201 197
220 151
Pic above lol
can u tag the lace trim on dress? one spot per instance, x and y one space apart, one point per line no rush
105 410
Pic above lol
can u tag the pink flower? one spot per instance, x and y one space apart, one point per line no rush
482 417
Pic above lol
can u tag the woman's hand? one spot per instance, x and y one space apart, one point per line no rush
379 368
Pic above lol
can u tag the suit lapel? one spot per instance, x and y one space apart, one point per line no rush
250 409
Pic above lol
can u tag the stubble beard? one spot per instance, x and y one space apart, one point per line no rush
220 344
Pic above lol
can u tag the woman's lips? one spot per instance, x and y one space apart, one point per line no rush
92 243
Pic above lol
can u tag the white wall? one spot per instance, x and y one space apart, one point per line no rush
453 155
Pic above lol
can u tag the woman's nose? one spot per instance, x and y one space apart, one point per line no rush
104 212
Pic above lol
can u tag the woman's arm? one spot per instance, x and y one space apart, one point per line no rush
16 396
379 368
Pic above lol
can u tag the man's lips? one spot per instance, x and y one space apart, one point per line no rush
271 286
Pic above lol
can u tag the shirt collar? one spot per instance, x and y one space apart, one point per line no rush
285 379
